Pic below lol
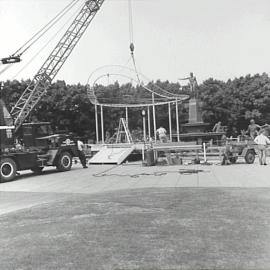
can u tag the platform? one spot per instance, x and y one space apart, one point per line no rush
112 154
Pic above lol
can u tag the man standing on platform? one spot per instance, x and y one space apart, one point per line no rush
217 127
253 129
161 132
261 140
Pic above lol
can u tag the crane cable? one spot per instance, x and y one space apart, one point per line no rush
16 56
5 69
132 48
131 37
46 44
44 29
130 21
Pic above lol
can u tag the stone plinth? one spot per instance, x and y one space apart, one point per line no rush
195 123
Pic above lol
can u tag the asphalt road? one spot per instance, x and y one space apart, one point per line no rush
52 185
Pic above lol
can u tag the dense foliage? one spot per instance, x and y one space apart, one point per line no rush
233 102
237 101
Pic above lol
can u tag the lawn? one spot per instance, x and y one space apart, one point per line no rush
171 228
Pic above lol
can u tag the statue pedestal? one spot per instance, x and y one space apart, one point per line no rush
198 127
195 123
196 130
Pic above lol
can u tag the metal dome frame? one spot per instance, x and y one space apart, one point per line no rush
170 99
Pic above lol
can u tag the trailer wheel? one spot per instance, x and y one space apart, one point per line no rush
250 157
37 170
233 160
8 169
64 162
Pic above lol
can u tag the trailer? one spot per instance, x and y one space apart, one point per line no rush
245 149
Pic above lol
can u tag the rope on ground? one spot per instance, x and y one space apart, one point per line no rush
104 172
137 175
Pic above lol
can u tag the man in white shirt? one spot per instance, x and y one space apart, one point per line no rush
81 154
261 140
161 132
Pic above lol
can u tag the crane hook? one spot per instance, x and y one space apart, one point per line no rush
11 59
131 47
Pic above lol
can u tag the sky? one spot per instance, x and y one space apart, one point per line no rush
221 39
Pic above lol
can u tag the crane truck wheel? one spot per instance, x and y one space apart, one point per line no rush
233 160
64 162
8 169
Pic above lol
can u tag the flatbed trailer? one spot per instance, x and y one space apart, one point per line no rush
246 149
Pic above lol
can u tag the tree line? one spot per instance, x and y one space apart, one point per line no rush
67 107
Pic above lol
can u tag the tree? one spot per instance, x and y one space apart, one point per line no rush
67 107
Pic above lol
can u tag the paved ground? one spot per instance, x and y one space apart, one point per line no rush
199 216
102 178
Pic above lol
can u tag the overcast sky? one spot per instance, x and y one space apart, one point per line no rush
213 38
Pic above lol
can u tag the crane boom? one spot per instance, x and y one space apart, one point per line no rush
42 80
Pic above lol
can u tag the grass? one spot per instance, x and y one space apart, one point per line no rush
184 228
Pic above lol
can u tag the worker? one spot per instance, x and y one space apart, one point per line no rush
253 129
107 137
234 133
217 127
81 154
227 155
19 145
261 140
162 134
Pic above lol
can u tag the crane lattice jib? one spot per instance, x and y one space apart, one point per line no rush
42 80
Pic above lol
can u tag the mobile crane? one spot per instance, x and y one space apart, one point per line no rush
41 147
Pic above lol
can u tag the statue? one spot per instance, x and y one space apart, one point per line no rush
192 84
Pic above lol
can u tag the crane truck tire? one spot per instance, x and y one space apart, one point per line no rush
250 157
8 169
64 162
233 160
